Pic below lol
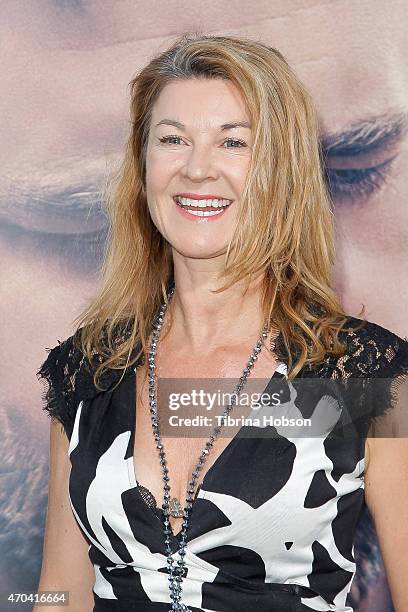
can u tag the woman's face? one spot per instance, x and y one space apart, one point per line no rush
198 157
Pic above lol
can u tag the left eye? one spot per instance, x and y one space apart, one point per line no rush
241 143
357 182
237 141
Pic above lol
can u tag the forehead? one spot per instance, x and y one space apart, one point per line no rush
204 103
349 55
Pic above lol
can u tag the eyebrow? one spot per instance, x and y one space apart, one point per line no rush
366 135
223 127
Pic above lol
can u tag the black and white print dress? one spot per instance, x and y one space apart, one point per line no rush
273 523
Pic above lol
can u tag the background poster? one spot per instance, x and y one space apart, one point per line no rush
64 68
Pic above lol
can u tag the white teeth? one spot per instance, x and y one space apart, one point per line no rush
202 203
205 213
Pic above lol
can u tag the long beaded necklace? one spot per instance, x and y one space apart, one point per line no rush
178 571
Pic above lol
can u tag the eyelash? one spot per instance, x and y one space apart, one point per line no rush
81 252
165 140
360 183
76 249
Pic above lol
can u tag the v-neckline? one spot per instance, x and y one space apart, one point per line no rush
221 457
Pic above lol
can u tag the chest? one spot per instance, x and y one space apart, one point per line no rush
182 452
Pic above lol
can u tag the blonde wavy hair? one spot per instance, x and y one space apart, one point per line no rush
284 230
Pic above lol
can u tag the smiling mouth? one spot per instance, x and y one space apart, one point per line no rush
205 205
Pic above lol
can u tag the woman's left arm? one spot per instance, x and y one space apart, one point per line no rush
386 494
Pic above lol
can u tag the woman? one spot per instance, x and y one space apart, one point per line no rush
222 177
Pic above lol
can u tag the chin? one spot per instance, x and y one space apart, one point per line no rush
199 253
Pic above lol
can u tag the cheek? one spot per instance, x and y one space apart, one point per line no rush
159 184
158 206
237 173
159 171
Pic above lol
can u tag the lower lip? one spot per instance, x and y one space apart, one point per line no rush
187 214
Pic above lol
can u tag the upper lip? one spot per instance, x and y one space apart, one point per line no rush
198 196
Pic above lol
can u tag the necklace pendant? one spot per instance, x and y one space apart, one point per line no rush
175 508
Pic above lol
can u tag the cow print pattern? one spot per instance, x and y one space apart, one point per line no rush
272 526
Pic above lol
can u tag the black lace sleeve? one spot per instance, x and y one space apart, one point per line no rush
68 378
372 378
389 388
60 374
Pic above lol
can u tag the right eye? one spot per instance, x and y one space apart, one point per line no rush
166 139
82 253
69 225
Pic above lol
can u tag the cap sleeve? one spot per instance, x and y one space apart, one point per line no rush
60 377
389 390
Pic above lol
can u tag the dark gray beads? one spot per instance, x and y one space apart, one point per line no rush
178 571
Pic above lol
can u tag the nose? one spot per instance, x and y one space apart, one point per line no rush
200 164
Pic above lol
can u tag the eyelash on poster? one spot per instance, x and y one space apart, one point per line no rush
165 139
357 183
72 248
343 183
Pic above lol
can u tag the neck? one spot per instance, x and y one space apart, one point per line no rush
201 318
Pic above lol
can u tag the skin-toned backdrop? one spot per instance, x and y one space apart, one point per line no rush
65 66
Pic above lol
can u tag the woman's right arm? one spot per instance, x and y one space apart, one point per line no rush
65 563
